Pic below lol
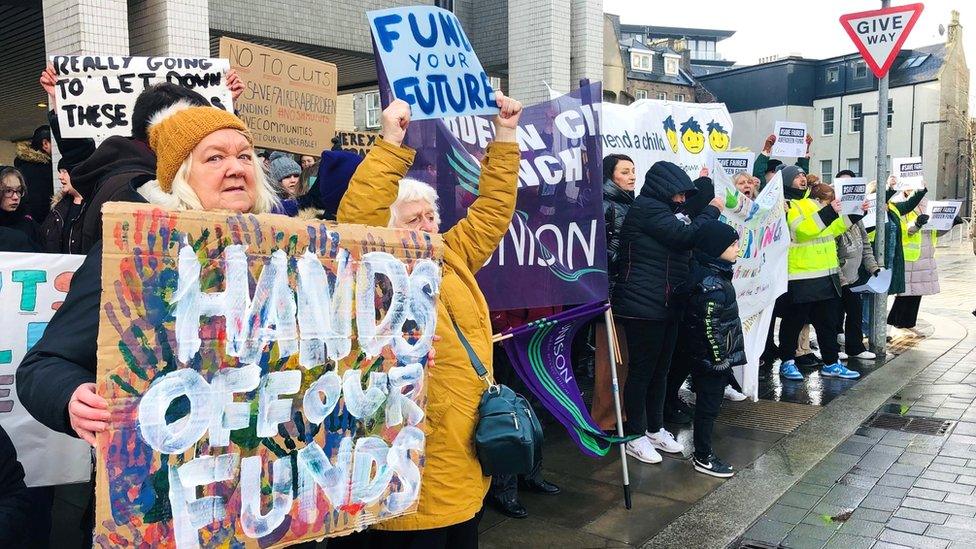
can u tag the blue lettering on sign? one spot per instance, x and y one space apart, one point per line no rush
428 62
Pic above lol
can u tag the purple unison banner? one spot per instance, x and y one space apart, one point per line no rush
554 252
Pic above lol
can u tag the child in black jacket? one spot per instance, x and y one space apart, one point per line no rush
715 336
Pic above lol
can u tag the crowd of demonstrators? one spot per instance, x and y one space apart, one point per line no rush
765 167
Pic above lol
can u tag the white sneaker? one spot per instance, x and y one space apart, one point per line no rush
733 395
665 442
642 450
841 339
866 355
842 355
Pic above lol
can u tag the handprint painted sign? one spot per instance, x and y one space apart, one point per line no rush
265 377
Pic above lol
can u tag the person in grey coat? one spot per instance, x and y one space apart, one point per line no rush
854 252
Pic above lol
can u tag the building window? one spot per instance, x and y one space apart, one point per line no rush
679 97
640 62
827 171
662 96
860 69
854 164
640 94
496 83
855 116
891 112
828 121
833 75
373 109
670 66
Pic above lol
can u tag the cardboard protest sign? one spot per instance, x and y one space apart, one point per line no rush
357 142
32 287
850 191
289 100
265 376
760 272
690 135
95 93
791 139
735 162
909 173
941 214
429 62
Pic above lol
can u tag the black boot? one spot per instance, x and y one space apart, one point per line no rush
510 507
543 487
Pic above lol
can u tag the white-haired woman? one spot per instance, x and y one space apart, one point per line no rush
205 161
454 487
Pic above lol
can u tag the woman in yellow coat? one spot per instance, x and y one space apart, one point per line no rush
453 486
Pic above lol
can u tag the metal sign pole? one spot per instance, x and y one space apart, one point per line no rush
879 317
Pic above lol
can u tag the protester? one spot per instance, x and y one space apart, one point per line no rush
746 184
15 504
307 161
921 269
895 227
714 336
765 167
331 181
619 180
813 293
655 242
62 233
13 209
285 174
854 254
451 497
204 161
33 160
503 494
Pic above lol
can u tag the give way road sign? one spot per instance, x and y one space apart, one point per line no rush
880 34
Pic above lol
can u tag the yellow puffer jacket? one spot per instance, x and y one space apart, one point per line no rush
453 485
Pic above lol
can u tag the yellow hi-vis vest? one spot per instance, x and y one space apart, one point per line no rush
813 250
912 243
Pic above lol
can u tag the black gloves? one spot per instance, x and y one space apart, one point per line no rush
922 220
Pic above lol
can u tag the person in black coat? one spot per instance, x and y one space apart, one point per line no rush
714 342
655 250
15 503
619 179
13 210
34 162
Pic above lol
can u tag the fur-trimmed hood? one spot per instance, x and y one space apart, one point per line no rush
27 154
154 194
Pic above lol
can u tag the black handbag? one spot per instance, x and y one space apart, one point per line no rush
508 438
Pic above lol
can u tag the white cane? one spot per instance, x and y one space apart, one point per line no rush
612 347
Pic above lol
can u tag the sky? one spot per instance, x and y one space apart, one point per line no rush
810 29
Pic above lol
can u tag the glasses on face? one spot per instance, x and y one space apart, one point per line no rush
7 191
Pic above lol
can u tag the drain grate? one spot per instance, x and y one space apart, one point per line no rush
749 544
766 415
911 424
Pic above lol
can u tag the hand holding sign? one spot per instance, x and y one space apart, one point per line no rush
48 80
88 412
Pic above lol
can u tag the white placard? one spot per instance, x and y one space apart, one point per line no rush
95 94
735 162
850 191
870 217
791 139
32 287
941 214
875 284
908 171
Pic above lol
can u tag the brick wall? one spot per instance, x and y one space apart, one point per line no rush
169 27
538 51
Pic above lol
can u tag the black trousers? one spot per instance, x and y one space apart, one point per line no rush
709 391
904 311
853 317
825 317
677 374
457 536
505 487
650 344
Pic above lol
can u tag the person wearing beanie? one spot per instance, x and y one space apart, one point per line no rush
335 170
712 334
813 294
285 174
765 167
656 241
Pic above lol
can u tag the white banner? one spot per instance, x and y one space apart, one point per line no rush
908 171
95 93
941 214
735 162
32 287
850 191
791 140
760 274
687 134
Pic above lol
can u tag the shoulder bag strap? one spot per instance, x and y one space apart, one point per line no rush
479 367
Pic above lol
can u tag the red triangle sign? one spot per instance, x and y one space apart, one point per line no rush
880 34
